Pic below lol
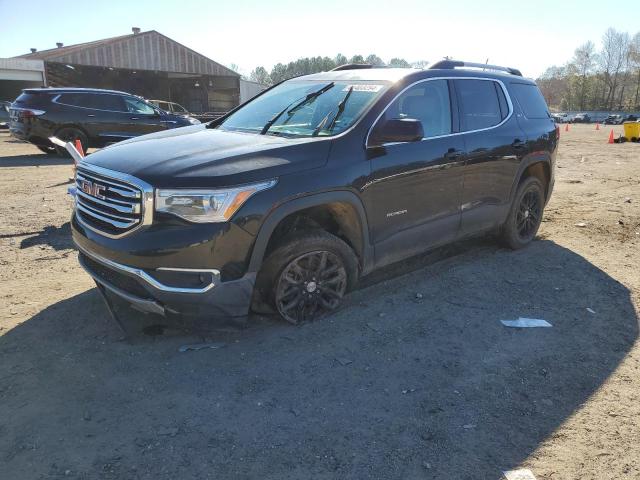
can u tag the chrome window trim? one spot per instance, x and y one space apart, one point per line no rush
499 82
146 201
142 275
55 100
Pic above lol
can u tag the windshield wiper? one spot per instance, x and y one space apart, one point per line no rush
341 106
291 110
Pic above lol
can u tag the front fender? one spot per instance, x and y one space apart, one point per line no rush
301 203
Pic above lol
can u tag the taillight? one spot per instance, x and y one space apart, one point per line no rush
30 113
557 132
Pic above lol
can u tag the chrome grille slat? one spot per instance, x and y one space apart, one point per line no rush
118 188
117 205
113 222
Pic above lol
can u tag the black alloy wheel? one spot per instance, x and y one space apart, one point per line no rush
525 215
528 216
310 286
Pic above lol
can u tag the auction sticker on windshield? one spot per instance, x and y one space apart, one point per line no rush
363 88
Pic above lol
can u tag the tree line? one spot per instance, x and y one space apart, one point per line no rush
308 65
607 78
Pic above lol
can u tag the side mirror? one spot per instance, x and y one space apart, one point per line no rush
398 130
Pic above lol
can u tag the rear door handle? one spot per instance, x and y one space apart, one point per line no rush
453 154
135 118
519 144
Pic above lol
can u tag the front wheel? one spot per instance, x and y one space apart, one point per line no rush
307 276
526 214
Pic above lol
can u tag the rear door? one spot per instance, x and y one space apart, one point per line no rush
495 145
413 196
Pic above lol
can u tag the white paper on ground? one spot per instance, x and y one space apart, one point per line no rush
522 474
526 323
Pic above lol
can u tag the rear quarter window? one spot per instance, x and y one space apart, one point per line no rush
31 99
530 100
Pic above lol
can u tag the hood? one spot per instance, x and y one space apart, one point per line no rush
197 156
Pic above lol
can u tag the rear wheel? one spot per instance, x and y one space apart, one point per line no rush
526 214
70 134
307 276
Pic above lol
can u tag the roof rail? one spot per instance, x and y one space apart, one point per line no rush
451 64
352 66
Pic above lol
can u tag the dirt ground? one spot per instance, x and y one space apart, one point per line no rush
415 378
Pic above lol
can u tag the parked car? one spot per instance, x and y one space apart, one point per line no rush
630 118
4 114
290 198
581 118
560 117
613 120
170 107
95 117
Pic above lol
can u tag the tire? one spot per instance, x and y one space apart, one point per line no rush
525 215
47 150
307 276
70 134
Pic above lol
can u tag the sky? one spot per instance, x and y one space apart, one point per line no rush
530 35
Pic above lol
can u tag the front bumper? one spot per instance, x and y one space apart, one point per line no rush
147 293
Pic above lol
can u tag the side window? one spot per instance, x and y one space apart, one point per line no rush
428 102
178 108
108 102
530 100
75 100
135 105
479 104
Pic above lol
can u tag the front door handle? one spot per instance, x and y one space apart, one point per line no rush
519 144
135 118
91 115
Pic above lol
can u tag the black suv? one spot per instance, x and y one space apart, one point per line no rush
287 200
95 117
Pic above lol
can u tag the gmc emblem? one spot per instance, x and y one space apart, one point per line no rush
93 189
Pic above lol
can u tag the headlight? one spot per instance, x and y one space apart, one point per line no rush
193 121
207 206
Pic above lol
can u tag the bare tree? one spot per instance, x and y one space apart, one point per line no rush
584 60
634 63
613 58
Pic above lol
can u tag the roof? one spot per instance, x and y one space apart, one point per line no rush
372 74
395 74
74 89
137 51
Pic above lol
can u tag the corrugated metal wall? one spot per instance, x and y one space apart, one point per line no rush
144 51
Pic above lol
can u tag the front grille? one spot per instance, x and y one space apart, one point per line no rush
117 279
113 207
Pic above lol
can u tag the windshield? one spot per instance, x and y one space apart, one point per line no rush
313 116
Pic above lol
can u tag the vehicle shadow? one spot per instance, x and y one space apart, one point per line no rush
57 237
33 160
394 386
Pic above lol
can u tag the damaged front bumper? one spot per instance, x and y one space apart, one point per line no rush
176 290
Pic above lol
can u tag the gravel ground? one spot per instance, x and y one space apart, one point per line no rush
415 378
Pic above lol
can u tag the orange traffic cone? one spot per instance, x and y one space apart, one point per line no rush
597 126
78 146
566 127
611 137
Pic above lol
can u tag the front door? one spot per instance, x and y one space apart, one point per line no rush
413 194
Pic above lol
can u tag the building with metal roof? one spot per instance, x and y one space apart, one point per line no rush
143 63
